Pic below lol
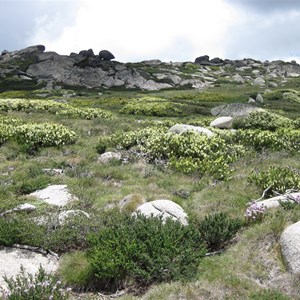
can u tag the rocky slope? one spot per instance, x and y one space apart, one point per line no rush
95 71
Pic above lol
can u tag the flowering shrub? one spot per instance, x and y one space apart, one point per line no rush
279 179
255 212
189 152
53 107
84 113
263 120
39 286
283 139
44 135
159 109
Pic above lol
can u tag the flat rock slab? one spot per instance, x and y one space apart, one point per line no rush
164 208
54 195
234 110
12 259
290 247
275 201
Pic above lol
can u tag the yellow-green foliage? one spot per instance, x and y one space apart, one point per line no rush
279 179
43 135
263 120
53 107
159 109
189 152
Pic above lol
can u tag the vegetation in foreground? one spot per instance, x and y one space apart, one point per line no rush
213 179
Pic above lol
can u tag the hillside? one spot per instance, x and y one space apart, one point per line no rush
149 180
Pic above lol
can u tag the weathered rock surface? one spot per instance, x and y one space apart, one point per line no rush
99 71
234 110
275 201
54 194
165 209
12 259
180 128
290 247
222 122
109 156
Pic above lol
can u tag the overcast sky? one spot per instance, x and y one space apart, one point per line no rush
170 30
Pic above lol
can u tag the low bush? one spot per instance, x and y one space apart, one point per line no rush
40 286
279 179
158 109
188 152
135 250
284 139
263 120
217 229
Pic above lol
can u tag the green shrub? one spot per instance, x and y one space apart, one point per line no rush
44 135
41 286
217 229
284 139
29 185
141 251
279 179
188 152
263 120
158 109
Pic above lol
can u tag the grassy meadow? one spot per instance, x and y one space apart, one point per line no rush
205 181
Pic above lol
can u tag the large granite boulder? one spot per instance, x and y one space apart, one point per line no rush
203 60
234 110
290 247
222 123
165 209
106 55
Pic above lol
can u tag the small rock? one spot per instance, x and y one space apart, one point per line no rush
25 207
238 78
272 84
53 171
259 81
109 156
65 215
180 128
164 208
251 100
222 122
234 110
259 99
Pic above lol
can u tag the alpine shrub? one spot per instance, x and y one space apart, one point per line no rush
279 179
144 250
217 229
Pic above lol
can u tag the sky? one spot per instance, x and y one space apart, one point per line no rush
169 30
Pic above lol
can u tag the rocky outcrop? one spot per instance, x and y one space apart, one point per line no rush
86 69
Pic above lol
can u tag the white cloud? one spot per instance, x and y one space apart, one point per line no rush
134 30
